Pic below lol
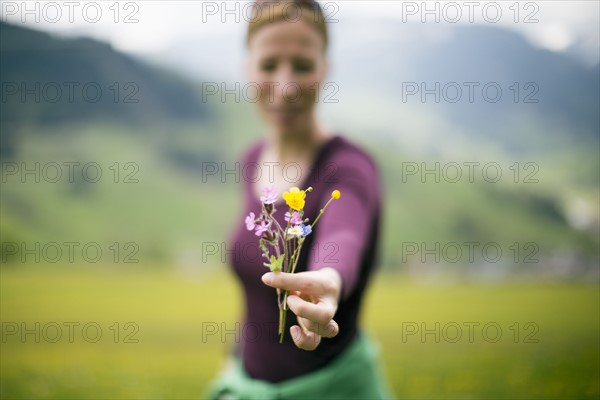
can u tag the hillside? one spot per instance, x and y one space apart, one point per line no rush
167 138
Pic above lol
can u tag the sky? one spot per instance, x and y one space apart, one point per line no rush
151 27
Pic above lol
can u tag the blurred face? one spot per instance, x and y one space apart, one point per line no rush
287 61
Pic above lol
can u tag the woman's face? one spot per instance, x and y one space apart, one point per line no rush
287 61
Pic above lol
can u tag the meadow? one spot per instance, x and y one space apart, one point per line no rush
136 333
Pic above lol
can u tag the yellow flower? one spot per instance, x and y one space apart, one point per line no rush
295 198
335 194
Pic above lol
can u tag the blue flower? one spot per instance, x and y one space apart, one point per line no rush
306 230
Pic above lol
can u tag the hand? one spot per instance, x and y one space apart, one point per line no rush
313 297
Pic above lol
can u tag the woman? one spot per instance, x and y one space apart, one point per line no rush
324 354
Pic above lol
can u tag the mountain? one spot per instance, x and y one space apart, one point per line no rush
547 99
51 81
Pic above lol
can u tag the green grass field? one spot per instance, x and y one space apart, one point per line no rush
548 347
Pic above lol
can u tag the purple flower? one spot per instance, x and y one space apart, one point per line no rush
262 228
250 221
295 220
306 230
270 195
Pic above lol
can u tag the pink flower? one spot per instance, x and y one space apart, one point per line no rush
270 195
250 221
262 228
296 220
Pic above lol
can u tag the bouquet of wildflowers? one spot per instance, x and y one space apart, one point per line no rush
281 247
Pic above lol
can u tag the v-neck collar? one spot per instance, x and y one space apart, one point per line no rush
320 154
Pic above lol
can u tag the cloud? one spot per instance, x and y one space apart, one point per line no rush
554 25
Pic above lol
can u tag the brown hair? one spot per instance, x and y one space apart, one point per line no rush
266 12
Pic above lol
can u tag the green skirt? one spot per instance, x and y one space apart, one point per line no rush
354 374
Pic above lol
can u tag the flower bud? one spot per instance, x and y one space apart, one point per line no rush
269 208
269 236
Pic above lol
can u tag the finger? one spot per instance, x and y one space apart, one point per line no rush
301 281
328 331
321 313
303 296
304 340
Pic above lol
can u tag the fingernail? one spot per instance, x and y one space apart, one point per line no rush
295 332
267 278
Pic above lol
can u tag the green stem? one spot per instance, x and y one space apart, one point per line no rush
283 313
281 324
321 213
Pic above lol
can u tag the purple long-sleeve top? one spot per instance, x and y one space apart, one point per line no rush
345 238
